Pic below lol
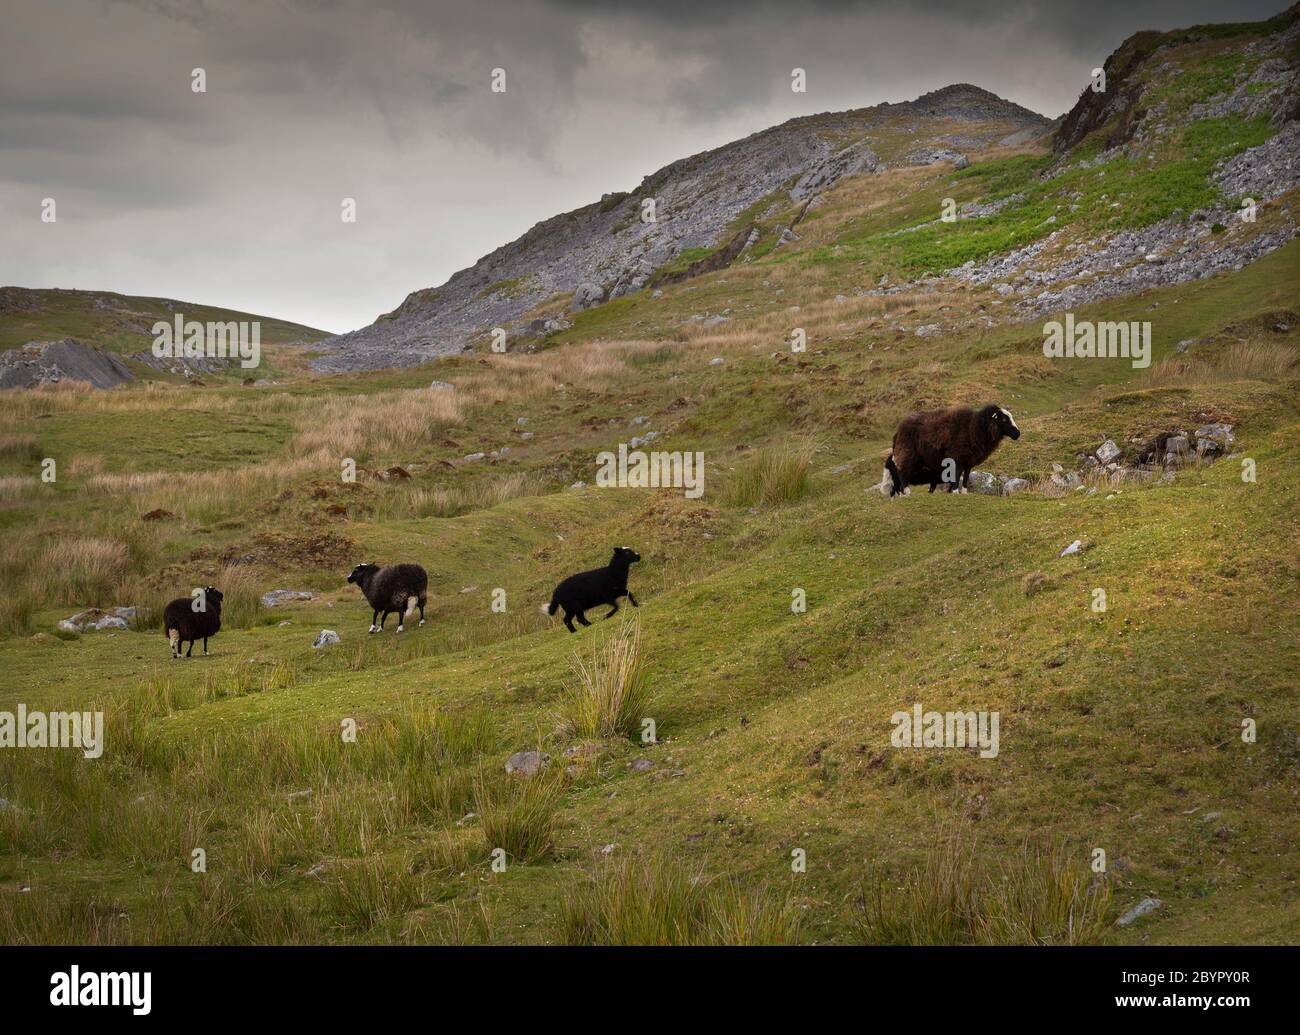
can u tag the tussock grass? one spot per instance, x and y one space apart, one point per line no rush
85 571
519 815
776 474
383 423
1040 896
373 891
18 448
241 597
1239 361
657 902
609 693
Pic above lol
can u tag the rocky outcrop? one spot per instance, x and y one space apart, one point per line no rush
615 246
48 362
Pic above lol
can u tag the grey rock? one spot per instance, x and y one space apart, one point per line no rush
1147 905
642 765
1073 548
326 638
1014 485
527 763
985 483
276 597
1107 451
48 362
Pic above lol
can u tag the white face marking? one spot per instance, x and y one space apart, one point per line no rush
1012 419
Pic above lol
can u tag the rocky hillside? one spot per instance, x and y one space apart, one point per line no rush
742 199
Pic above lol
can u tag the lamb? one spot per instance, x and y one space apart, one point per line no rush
944 445
196 617
593 588
398 589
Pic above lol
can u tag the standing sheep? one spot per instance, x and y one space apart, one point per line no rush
593 588
196 617
398 589
942 446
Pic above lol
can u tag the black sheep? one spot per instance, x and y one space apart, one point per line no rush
601 586
398 589
944 445
196 617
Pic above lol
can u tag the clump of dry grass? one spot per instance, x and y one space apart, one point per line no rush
776 474
85 571
658 902
519 817
1239 361
609 694
384 423
22 449
1035 897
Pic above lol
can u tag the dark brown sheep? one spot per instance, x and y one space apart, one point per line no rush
942 446
196 617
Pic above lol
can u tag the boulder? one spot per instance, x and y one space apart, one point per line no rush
1108 451
1014 485
983 482
326 638
586 295
527 763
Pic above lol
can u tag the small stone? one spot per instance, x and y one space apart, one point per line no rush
326 638
527 763
1147 905
1073 548
642 765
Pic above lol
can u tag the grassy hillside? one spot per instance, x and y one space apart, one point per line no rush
122 324
1120 729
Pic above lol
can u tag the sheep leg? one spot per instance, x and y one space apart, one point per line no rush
383 618
613 610
568 621
205 646
582 618
189 652
422 600
632 599
374 621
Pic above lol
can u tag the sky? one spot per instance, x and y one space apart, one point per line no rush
233 196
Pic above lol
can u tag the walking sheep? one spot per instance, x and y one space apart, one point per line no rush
942 446
196 617
398 589
600 586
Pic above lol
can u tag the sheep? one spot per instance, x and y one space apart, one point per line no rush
944 445
593 588
191 618
398 589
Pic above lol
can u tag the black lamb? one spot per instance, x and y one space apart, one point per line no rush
196 617
601 586
398 589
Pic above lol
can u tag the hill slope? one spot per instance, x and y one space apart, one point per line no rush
1121 728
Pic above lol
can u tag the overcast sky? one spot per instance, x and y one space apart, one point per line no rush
232 197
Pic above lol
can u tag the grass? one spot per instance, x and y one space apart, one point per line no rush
609 695
657 902
776 474
1038 896
519 818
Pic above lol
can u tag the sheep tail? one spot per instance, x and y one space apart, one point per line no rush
550 609
412 602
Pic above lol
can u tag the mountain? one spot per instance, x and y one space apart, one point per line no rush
713 208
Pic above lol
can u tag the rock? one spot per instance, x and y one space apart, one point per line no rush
474 457
608 850
49 362
961 163
586 295
578 485
527 763
1014 485
1073 548
716 361
713 321
642 765
1108 451
94 618
1147 905
984 482
1219 434
1176 445
636 421
326 638
282 596
1067 480
442 386
641 440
